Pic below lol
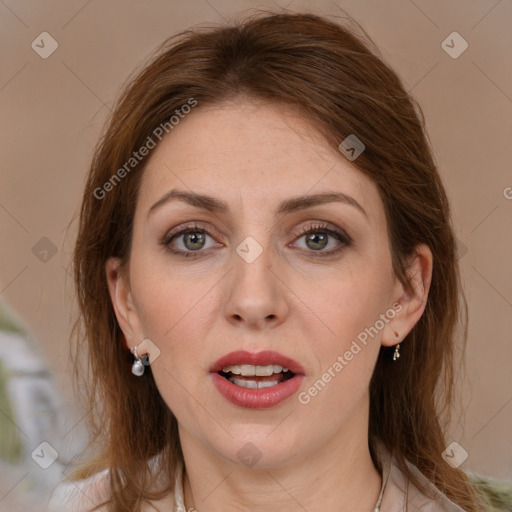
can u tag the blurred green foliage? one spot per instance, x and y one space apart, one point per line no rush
11 448
498 495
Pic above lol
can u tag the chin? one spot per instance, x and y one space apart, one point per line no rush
259 446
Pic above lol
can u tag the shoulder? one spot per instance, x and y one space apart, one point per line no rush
84 495
439 503
400 493
81 495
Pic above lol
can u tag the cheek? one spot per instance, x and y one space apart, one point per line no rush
169 319
176 314
355 314
351 301
167 301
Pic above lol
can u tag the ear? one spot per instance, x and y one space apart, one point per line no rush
409 301
122 301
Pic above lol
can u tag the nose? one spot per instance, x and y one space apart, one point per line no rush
256 297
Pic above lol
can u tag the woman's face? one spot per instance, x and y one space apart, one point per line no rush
250 181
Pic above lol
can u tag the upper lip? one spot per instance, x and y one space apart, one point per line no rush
262 358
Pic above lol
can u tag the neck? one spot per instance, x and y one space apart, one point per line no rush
338 476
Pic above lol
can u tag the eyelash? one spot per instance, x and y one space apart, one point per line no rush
341 236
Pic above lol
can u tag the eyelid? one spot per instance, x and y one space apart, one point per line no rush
344 239
195 225
322 225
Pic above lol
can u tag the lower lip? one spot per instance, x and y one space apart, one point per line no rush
263 398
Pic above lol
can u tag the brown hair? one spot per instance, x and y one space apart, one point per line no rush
343 87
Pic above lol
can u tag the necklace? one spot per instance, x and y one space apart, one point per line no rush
179 503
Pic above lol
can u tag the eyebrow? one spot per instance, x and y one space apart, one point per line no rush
288 206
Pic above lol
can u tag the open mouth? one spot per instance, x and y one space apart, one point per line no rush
255 376
256 380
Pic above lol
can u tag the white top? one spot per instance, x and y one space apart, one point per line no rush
398 494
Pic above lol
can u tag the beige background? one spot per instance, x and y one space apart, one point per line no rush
54 108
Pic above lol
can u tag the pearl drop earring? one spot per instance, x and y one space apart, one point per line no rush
137 366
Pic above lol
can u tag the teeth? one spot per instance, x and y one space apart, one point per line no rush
249 370
267 384
265 371
252 384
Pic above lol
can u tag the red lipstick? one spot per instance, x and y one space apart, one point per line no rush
256 391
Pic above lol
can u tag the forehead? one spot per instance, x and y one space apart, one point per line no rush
251 155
